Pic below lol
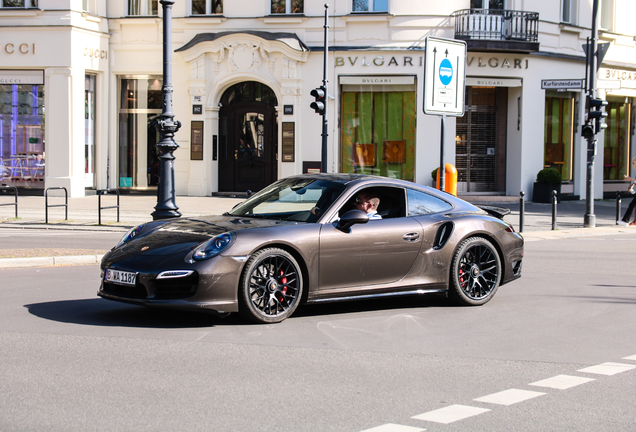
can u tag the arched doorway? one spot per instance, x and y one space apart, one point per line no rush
247 137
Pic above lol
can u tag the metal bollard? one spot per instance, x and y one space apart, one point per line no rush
47 205
15 202
522 209
618 207
554 209
99 204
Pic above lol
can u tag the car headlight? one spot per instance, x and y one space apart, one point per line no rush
131 234
213 247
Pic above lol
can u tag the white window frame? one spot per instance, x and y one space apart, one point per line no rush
606 15
370 7
485 4
288 6
571 8
146 8
27 4
208 9
89 6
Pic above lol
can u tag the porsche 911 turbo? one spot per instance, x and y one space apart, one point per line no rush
302 240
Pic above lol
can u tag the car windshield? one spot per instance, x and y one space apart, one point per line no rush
293 199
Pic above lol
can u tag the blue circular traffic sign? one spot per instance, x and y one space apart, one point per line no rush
445 72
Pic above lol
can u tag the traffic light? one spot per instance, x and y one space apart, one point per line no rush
588 130
319 104
595 114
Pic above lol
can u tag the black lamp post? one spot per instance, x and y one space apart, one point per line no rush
166 207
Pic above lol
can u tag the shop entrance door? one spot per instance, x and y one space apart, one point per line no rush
247 139
480 155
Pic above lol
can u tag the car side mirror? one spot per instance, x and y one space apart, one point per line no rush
350 218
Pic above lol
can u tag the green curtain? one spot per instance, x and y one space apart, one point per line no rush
373 118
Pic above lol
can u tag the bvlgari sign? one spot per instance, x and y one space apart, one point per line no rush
626 78
378 79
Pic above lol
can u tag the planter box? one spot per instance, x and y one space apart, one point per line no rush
542 192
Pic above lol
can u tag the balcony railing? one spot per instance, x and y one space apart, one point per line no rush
520 28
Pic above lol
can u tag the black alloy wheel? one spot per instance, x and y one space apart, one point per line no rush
271 286
476 272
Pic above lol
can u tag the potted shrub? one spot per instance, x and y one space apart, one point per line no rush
548 179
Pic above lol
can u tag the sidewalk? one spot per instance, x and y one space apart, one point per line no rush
136 209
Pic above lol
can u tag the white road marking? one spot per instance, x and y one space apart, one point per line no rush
630 358
562 382
608 368
509 397
392 427
450 414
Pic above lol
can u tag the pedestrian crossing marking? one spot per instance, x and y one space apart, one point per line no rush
509 397
562 382
392 427
450 414
608 368
630 358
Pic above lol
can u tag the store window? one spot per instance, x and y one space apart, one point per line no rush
207 7
378 130
89 131
22 130
370 6
143 7
617 139
140 105
19 3
559 133
287 6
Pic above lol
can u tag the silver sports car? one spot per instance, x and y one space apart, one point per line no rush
307 238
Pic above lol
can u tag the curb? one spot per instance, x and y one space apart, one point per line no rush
49 261
576 232
6 263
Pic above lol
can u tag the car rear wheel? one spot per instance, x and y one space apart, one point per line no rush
271 286
475 271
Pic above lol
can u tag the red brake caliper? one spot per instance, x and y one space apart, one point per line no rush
461 278
283 281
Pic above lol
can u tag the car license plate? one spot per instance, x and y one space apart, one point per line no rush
120 277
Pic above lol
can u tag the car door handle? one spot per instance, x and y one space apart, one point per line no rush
411 237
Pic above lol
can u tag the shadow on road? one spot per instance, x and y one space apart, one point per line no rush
99 312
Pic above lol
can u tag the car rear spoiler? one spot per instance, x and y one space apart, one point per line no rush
498 212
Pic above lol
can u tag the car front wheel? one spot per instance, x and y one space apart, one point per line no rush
271 286
475 272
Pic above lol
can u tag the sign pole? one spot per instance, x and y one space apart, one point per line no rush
444 86
442 166
325 134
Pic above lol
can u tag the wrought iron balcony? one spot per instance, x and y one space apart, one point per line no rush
497 30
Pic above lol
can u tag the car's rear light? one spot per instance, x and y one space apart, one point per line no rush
510 229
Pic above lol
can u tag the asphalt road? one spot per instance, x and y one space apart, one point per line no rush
17 242
74 362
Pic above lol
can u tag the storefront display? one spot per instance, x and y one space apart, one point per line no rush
616 153
559 132
22 130
378 130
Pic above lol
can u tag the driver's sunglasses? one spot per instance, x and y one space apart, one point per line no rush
359 201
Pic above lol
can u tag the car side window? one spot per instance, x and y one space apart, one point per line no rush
421 203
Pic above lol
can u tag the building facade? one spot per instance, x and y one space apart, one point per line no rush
80 87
